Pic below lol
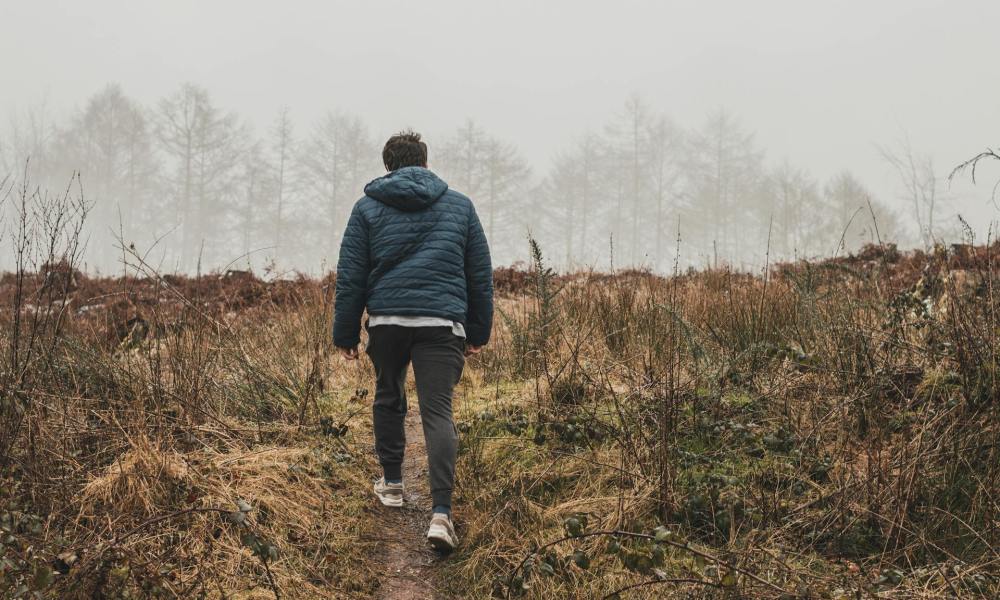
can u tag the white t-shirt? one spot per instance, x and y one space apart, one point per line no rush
411 321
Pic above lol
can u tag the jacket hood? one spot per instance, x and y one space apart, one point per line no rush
409 188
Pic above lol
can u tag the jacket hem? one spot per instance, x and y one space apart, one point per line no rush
418 312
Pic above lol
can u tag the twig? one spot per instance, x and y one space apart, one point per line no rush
660 581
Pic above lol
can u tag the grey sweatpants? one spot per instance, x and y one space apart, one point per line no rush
438 358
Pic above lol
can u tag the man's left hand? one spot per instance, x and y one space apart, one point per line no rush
349 353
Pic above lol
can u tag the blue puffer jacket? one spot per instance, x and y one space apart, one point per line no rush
413 247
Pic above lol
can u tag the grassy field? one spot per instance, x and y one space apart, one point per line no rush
820 430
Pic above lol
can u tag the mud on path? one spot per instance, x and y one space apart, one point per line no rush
409 563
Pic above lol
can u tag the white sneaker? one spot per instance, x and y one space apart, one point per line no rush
390 494
441 533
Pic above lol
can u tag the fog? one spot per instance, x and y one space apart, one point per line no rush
627 131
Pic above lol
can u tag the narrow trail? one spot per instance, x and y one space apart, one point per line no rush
409 562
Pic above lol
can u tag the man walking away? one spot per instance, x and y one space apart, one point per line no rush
415 255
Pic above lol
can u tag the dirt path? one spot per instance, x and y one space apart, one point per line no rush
409 561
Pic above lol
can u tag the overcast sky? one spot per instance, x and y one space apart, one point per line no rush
820 82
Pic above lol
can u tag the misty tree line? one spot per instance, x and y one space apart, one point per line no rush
196 186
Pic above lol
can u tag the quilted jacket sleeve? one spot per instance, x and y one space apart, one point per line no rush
353 268
479 282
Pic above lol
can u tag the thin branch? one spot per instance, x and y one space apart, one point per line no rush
652 582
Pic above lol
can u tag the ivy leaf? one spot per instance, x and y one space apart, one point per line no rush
643 564
272 552
521 585
42 576
659 555
662 534
581 559
529 566
573 526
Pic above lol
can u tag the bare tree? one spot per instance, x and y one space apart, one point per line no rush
920 186
723 172
591 157
630 135
665 151
570 190
29 140
282 148
855 217
492 173
461 157
259 185
562 190
110 144
204 145
336 160
792 201
506 175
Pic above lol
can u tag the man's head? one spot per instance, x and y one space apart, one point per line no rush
404 150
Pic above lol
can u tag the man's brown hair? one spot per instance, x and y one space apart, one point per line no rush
404 150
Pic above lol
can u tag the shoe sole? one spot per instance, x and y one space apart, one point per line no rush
387 501
441 541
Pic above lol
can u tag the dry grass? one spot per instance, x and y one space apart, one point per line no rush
826 431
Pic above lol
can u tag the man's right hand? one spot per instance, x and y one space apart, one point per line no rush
472 350
349 353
